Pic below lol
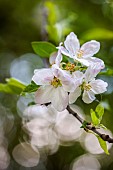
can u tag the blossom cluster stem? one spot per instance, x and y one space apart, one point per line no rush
89 126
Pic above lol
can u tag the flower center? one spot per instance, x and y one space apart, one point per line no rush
87 87
56 82
80 53
70 67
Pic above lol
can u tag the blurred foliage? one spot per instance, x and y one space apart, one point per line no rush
23 22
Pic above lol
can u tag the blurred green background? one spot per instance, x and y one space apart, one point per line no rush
25 21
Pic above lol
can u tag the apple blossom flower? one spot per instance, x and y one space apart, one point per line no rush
55 84
82 54
89 85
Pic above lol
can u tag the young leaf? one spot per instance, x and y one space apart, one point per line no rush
94 118
99 111
43 49
30 88
12 86
103 144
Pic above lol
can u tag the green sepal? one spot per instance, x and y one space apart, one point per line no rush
30 88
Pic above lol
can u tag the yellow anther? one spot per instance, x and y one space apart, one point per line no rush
56 82
80 53
70 67
87 87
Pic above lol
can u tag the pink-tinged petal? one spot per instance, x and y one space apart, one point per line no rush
92 71
57 72
88 96
59 99
43 76
74 95
78 78
98 86
72 44
83 61
63 51
58 58
53 58
43 94
94 60
90 48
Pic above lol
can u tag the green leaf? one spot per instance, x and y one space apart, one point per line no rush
12 86
43 49
94 118
31 88
103 144
98 34
99 111
107 72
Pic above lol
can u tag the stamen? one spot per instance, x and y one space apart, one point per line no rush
70 67
87 87
56 82
80 53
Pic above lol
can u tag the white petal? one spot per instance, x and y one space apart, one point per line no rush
74 95
43 76
55 58
98 86
52 58
83 61
43 94
72 43
88 96
94 61
59 99
78 77
92 71
65 77
64 51
58 58
25 155
90 48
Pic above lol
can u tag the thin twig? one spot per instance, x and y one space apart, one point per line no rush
89 126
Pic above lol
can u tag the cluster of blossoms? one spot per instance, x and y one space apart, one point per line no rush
63 83
60 85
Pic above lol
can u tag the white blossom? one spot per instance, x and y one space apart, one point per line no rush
55 84
83 54
89 85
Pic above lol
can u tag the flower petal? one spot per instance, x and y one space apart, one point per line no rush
74 95
52 58
72 44
94 60
88 96
55 58
66 79
43 94
90 48
92 71
43 76
59 99
98 86
78 77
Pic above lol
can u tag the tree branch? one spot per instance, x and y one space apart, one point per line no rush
89 126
